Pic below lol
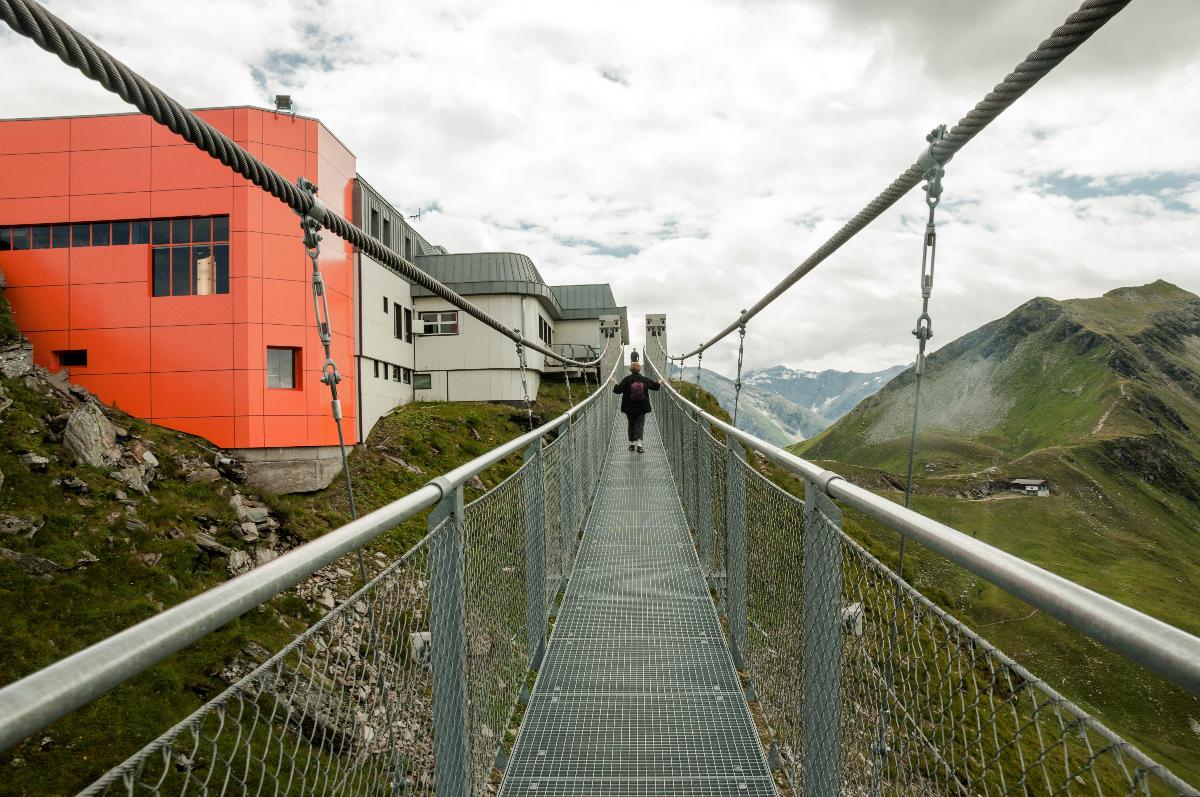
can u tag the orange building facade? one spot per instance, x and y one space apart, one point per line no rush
170 286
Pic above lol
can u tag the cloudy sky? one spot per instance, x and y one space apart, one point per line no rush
692 153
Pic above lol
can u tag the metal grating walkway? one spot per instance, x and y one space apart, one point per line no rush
637 694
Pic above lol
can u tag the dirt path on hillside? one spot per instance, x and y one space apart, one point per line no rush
1111 407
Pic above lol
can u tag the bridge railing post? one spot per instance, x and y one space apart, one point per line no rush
735 549
704 530
566 502
448 654
821 656
533 494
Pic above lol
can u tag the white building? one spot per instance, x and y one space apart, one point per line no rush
461 359
411 345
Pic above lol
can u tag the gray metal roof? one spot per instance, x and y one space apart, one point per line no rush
584 297
488 272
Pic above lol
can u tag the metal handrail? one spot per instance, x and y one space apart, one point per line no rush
1169 651
35 701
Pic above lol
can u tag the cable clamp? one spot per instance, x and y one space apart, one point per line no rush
934 169
924 330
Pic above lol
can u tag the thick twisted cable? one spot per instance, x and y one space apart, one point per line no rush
50 33
1077 28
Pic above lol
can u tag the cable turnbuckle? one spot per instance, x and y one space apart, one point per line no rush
934 174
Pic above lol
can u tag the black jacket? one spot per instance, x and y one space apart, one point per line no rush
628 405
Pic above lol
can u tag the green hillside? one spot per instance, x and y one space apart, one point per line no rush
83 555
1101 397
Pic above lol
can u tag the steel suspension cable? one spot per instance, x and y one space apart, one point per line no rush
54 35
1064 40
923 331
737 385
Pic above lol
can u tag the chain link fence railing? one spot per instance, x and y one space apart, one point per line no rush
410 684
347 707
862 685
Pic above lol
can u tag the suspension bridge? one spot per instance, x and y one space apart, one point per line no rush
610 623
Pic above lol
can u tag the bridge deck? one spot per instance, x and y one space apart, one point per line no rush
637 694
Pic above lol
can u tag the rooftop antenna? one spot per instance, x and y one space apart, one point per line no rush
416 215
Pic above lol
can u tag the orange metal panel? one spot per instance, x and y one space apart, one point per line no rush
283 129
113 351
248 208
283 257
248 390
248 431
18 136
35 267
104 264
278 218
109 305
288 162
45 344
40 308
111 132
285 430
109 207
285 302
311 134
207 347
128 392
109 171
247 126
220 118
248 346
247 300
187 167
191 310
192 202
42 174
218 431
245 254
34 210
192 394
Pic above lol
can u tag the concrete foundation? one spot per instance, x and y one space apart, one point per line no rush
290 470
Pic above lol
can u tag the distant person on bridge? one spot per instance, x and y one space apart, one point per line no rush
635 402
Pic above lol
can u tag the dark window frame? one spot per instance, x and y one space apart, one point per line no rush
424 376
296 369
443 319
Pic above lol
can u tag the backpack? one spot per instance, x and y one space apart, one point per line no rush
637 390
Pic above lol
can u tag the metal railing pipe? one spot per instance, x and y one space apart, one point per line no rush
35 701
39 699
1158 646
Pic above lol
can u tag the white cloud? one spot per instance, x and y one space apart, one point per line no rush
715 144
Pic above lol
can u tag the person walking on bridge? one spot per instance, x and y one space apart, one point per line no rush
635 402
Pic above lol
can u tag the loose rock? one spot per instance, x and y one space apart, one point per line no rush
239 562
11 524
35 566
204 475
35 462
207 543
91 437
86 558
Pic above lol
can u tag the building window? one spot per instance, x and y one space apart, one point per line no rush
374 223
71 357
398 326
408 248
387 233
385 305
281 367
196 263
422 381
441 323
376 362
395 373
545 331
41 236
407 376
407 325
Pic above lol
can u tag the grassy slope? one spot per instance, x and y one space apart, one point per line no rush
1122 518
43 621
